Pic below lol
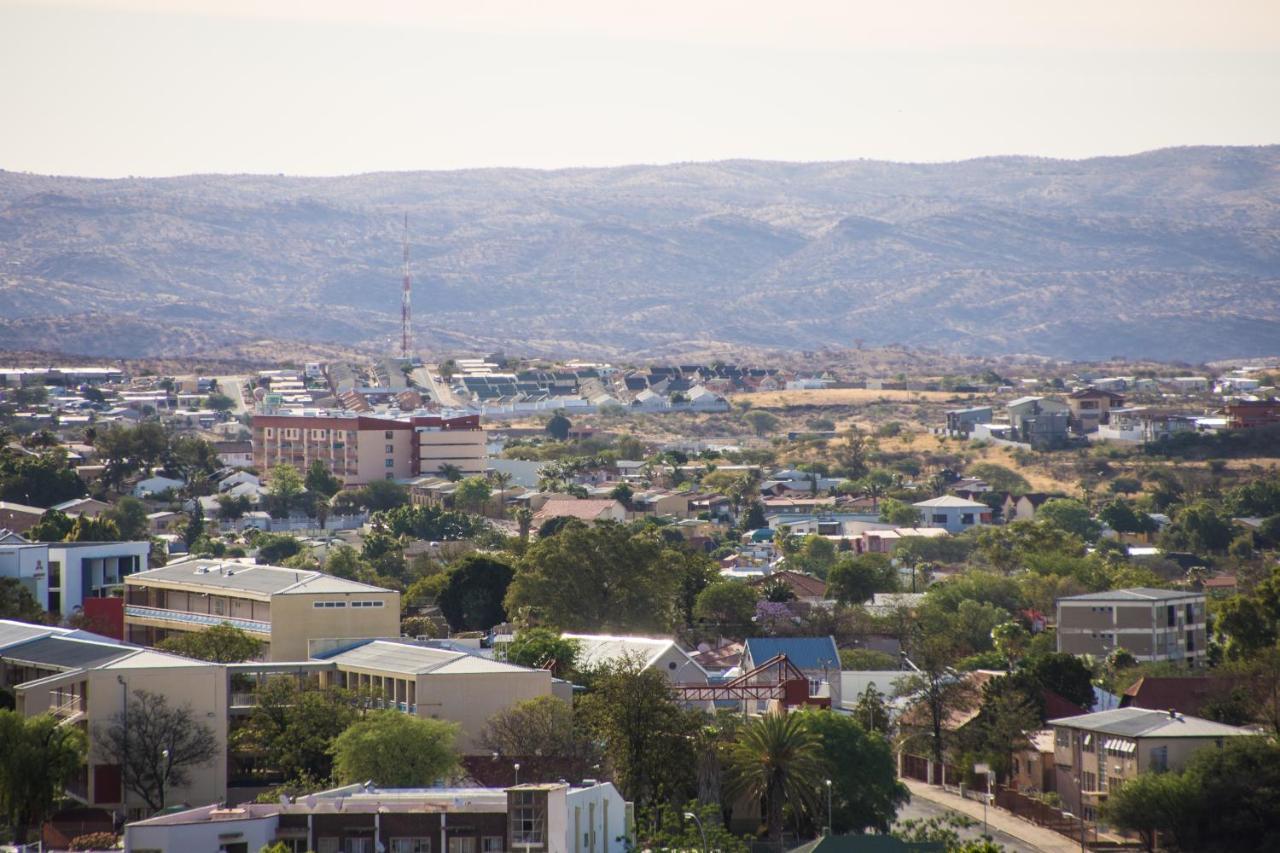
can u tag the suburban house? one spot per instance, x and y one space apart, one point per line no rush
1186 694
297 613
1023 507
61 575
817 657
1145 426
88 507
659 653
960 422
953 514
806 588
1249 414
1151 624
234 454
1096 753
1091 407
589 510
547 818
884 541
19 518
152 486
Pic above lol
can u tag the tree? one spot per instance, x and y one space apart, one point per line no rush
726 607
472 597
537 729
1064 674
41 480
220 643
605 577
815 555
1070 516
762 422
156 746
647 738
538 648
852 452
450 472
219 402
853 580
17 602
321 480
876 485
382 495
195 524
1010 640
283 490
274 548
38 759
1120 517
472 494
232 507
1152 803
501 481
395 750
865 792
558 426
938 691
129 515
53 526
999 478
778 760
898 513
191 457
294 728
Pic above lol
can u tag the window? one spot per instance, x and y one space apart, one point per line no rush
462 844
1159 759
391 448
939 518
528 819
387 435
966 518
1061 737
1088 781
366 604
219 606
491 844
1191 641
411 845
321 605
358 845
328 844
1086 743
391 463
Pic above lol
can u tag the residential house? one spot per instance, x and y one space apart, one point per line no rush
297 613
589 510
234 454
88 507
1091 407
657 653
543 817
1023 507
1186 694
1041 422
1033 770
1189 384
19 518
806 588
816 657
152 486
1145 426
1250 414
884 539
953 514
960 422
1151 624
1096 753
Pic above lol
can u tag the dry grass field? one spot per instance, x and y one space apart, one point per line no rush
837 397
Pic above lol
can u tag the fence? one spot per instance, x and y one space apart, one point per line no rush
1037 812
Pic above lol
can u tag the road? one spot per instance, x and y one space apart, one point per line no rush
231 386
428 379
921 809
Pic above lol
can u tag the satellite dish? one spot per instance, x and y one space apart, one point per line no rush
311 801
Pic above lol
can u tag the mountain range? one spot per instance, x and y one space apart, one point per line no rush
1171 254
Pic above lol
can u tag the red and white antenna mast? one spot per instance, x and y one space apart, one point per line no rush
406 297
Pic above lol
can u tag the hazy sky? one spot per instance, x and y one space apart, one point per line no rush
161 87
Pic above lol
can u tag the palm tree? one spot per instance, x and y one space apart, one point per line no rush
450 472
777 759
524 518
501 479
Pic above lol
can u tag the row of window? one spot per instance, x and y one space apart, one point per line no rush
329 605
295 432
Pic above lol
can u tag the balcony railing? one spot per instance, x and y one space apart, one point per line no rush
256 626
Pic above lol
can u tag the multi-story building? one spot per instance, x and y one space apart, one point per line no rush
61 575
360 448
535 818
297 613
84 680
1151 624
953 514
1096 753
1091 407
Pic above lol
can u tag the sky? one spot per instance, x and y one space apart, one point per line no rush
109 88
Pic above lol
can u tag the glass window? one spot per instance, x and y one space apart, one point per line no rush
391 463
462 844
327 844
387 435
411 845
491 844
939 518
966 518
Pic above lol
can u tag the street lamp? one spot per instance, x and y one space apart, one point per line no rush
701 831
829 820
164 777
517 766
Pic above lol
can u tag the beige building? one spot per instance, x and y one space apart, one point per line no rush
362 448
1096 753
1151 624
297 613
84 679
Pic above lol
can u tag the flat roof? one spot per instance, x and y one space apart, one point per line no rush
409 658
61 652
250 577
1136 594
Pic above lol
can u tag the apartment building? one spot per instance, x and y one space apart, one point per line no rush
361 448
1091 407
297 613
1096 753
536 818
61 575
1151 624
84 680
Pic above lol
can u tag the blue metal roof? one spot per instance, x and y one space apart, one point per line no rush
804 652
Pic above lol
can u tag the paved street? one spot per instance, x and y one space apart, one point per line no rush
1006 828
921 809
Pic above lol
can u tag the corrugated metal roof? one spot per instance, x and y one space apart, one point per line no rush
1137 594
803 652
412 659
1142 722
250 578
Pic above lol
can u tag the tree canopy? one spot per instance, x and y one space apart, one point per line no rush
395 750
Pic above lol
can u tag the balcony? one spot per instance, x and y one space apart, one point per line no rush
182 617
